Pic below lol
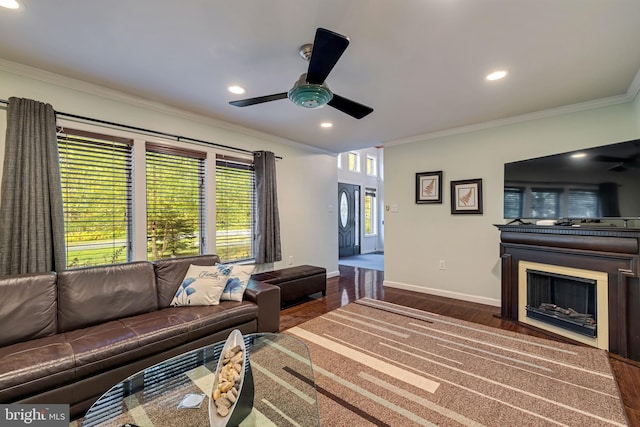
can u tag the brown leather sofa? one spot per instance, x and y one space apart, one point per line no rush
69 337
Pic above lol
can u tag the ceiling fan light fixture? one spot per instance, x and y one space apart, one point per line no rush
496 75
236 89
10 4
309 95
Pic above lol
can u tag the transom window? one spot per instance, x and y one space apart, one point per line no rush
354 161
371 166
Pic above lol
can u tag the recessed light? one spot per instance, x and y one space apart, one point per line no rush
238 90
326 124
578 155
497 75
10 4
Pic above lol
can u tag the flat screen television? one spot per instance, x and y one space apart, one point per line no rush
590 184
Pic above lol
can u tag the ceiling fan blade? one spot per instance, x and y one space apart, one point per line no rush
328 47
349 107
258 100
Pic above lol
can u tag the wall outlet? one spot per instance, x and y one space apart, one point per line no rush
442 265
290 260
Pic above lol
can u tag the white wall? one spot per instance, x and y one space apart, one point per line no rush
636 112
417 237
308 229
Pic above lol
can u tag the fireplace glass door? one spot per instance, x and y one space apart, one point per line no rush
564 301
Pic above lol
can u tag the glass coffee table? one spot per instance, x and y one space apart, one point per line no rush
284 388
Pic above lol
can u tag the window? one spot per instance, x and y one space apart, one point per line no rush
97 198
354 162
235 207
339 161
370 211
175 202
545 203
371 166
513 202
583 203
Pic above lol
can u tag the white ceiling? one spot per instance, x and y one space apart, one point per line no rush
419 63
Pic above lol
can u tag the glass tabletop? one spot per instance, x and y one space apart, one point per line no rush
165 394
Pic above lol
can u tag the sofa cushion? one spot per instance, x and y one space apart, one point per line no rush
237 280
202 285
32 366
88 296
100 347
170 272
119 342
226 315
28 309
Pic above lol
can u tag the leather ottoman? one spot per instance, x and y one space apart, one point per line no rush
296 282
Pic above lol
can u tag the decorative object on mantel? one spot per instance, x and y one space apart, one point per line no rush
232 391
466 196
429 187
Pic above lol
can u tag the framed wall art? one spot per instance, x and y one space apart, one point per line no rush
429 187
466 196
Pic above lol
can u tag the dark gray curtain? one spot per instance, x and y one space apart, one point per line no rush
31 218
268 219
608 196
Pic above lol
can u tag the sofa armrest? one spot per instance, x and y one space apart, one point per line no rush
267 297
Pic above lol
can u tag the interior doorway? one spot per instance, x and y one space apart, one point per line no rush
348 219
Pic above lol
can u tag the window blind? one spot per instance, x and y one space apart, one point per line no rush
97 197
545 202
513 202
584 203
175 202
235 208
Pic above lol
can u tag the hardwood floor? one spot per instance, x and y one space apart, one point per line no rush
354 283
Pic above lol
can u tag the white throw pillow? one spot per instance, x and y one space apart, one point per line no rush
237 280
202 285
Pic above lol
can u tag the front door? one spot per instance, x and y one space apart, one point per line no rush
348 215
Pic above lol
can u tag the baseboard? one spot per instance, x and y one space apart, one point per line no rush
333 274
442 293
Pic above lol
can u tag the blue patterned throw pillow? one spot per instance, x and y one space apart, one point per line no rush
237 280
202 285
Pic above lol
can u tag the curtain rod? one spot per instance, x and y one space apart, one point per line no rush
178 138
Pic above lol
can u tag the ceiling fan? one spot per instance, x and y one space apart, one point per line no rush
620 163
311 91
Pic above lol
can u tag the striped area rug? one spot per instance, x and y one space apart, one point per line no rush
378 363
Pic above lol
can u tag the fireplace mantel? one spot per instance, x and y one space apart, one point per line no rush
612 250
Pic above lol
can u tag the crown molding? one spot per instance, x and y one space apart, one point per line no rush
634 87
114 95
543 114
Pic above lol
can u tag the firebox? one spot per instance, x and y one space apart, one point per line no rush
566 301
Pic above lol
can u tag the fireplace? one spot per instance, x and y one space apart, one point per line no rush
608 254
566 301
